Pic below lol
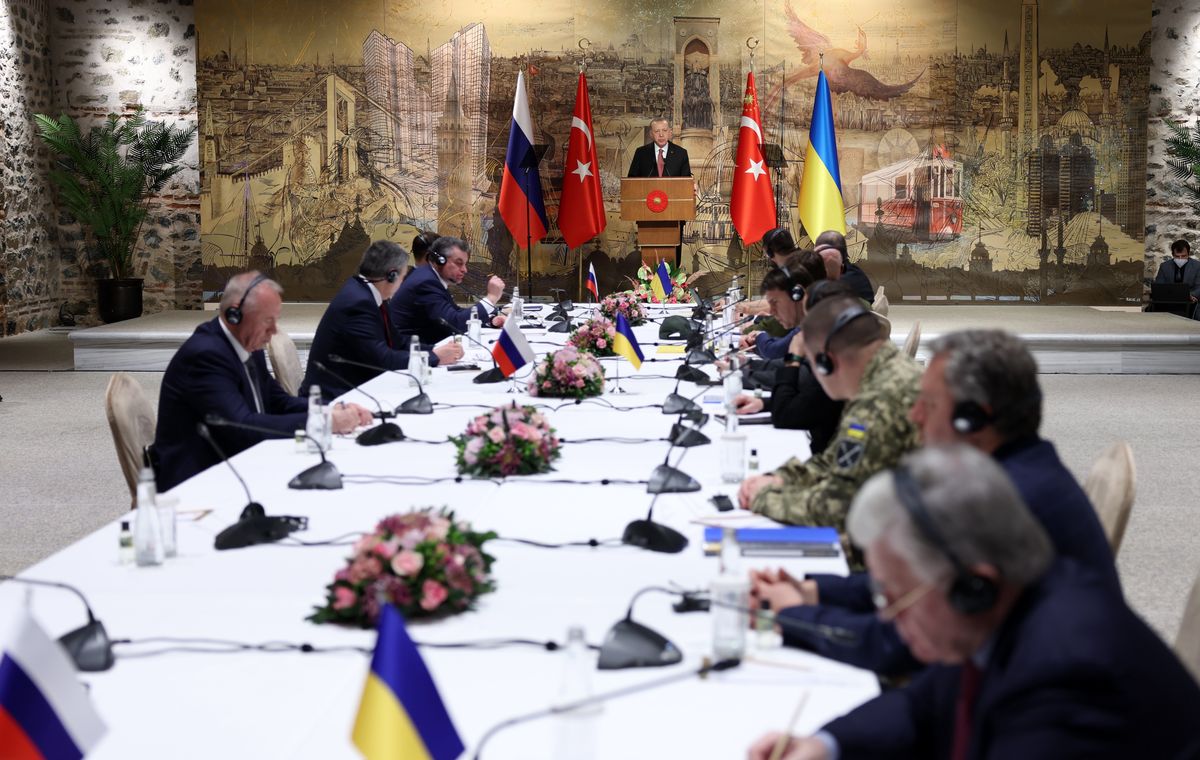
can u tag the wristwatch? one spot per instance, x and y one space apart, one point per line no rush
793 358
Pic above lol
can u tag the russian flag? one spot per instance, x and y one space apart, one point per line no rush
44 710
521 185
593 285
511 351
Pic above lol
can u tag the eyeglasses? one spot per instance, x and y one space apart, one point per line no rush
889 611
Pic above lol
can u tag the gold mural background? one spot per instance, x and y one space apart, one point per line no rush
989 150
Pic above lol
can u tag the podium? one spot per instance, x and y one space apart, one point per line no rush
659 205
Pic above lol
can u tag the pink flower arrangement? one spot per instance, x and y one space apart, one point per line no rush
623 303
509 440
567 373
423 562
679 293
595 336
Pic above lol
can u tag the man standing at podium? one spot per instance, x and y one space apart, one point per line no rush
661 158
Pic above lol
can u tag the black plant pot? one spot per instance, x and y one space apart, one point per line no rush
120 299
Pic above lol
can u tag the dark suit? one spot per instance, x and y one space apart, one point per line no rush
1191 274
206 377
675 164
798 402
421 300
352 327
645 164
1072 673
857 279
1053 497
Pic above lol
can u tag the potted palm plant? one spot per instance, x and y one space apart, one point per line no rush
106 177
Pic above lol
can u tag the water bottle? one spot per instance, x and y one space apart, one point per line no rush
518 305
473 327
147 531
576 731
166 523
125 554
732 384
315 427
730 592
708 328
733 449
766 637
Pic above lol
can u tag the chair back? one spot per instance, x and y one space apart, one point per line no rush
1187 644
131 420
1111 486
880 304
285 362
913 340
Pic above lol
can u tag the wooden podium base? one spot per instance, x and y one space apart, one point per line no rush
652 254
657 241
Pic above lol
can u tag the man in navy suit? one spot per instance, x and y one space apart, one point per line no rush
221 370
838 266
424 298
1029 657
1182 268
357 326
661 158
981 389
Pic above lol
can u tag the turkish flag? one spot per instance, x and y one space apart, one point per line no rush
752 204
581 210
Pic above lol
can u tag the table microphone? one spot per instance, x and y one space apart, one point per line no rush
88 646
652 536
418 404
385 431
596 699
697 354
253 525
493 375
323 476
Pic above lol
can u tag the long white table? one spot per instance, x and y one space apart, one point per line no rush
293 705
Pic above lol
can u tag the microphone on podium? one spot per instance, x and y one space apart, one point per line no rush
493 375
418 404
386 431
597 699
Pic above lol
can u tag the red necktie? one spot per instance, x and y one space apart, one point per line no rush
387 323
968 689
659 152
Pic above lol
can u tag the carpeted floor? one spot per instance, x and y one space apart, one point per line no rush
45 350
61 481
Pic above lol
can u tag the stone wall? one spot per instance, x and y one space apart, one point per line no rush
1175 96
29 269
112 56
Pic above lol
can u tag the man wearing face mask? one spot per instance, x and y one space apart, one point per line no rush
1182 268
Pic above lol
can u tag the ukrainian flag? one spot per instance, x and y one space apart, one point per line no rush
625 344
401 715
660 283
820 205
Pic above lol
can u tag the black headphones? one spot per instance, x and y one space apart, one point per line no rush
391 276
797 290
233 315
969 593
823 362
970 417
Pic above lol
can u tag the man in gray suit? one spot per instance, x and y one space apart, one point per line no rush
1182 268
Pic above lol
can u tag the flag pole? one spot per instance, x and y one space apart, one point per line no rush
585 45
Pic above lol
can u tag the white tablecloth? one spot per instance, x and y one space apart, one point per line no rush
257 705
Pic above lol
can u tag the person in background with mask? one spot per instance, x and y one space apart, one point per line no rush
1182 268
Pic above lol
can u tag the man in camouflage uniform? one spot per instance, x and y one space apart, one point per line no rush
879 385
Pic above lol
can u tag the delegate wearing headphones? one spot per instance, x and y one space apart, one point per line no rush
1027 654
221 370
979 388
357 326
425 299
859 365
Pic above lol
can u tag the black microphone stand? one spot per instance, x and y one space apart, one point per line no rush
88 646
386 431
319 477
418 404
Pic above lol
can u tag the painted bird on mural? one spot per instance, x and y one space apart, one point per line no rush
842 78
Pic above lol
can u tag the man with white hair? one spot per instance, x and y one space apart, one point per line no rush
221 370
1029 657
